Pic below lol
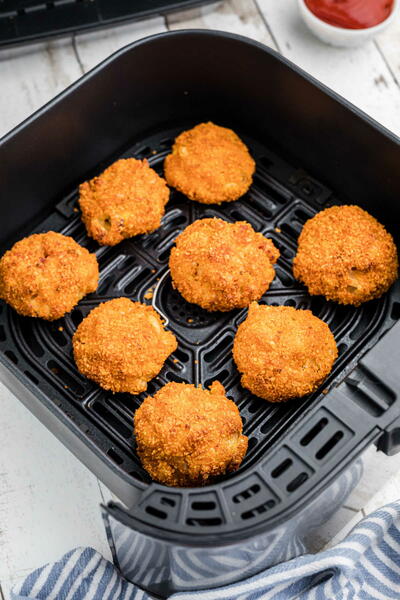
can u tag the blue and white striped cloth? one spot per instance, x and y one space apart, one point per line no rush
365 566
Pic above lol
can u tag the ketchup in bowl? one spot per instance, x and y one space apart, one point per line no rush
351 14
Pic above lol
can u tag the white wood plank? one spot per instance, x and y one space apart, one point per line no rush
49 502
30 76
94 47
107 495
336 527
390 492
378 470
236 16
388 44
333 535
360 75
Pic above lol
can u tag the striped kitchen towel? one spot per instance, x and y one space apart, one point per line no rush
365 566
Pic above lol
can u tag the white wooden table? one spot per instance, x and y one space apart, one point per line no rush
49 502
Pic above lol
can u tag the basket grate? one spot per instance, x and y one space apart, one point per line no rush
280 201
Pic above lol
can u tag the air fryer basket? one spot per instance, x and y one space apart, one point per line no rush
312 150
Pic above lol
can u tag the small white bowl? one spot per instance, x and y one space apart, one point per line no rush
340 36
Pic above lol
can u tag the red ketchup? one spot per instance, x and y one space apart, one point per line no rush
351 14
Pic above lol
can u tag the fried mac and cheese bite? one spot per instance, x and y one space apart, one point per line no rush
209 164
122 345
283 353
346 255
46 274
188 436
222 266
127 199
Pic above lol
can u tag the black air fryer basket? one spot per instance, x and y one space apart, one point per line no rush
312 150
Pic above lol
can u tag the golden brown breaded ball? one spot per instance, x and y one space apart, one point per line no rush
121 345
187 436
209 164
345 255
221 265
46 274
282 352
127 199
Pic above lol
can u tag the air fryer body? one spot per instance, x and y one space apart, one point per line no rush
164 568
312 150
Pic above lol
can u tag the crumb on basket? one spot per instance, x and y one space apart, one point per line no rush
277 229
61 329
190 320
149 295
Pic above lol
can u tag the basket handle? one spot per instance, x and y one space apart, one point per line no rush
369 397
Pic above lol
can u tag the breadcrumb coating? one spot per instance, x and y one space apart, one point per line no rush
283 353
127 199
188 436
222 266
209 164
346 255
122 345
46 274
